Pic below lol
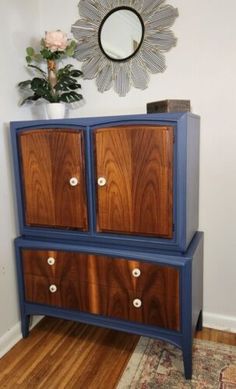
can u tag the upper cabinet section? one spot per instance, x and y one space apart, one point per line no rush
125 180
53 178
134 174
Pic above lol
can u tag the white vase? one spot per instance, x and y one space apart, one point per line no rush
55 110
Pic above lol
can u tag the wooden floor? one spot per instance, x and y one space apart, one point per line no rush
217 336
63 354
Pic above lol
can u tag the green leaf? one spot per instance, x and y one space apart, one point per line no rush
76 73
64 72
70 72
42 88
74 86
62 86
42 42
66 83
70 97
46 54
70 51
67 67
38 57
24 84
30 51
28 59
39 70
30 99
71 47
67 86
73 44
38 83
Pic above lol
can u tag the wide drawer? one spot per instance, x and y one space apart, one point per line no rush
114 287
150 306
102 270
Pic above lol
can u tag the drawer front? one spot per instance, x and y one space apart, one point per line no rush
118 288
107 271
146 307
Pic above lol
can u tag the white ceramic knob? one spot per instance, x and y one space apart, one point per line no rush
136 272
51 261
102 181
74 181
137 303
52 288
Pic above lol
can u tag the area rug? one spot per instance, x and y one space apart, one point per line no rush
156 364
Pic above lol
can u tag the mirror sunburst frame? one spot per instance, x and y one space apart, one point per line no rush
156 18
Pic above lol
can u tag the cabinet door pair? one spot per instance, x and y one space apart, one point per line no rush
133 170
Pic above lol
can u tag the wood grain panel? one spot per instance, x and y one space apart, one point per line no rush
104 286
101 270
137 162
49 158
158 309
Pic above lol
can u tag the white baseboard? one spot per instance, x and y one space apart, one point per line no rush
11 337
219 322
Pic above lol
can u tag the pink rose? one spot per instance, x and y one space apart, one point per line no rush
56 40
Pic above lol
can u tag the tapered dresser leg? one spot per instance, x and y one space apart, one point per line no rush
25 322
187 358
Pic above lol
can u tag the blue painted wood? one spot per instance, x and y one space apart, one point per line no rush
173 337
106 120
89 180
161 257
186 155
192 176
192 301
186 313
21 290
197 286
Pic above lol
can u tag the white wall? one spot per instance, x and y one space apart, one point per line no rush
19 23
201 68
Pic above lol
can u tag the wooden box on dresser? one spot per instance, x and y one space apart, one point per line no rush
108 217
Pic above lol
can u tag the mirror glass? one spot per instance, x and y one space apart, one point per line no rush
121 34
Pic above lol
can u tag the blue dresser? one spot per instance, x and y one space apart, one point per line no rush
108 218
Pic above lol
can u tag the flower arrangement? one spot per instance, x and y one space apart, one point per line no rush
54 85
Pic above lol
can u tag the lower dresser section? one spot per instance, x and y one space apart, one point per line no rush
156 294
118 288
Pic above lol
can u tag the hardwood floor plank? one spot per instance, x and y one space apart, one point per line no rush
62 354
217 336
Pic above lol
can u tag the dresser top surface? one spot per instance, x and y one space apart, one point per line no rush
89 121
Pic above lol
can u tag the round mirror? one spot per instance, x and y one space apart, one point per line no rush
121 33
120 46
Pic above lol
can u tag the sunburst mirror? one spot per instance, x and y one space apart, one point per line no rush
120 41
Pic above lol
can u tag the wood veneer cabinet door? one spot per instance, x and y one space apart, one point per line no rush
50 158
134 168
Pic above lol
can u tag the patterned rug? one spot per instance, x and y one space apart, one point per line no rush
156 364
